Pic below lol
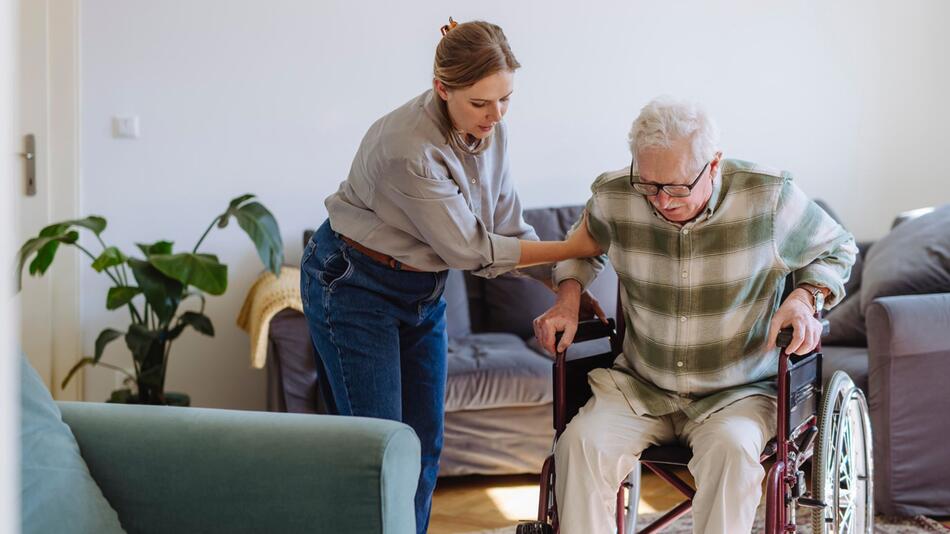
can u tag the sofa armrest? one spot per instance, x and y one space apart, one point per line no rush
908 365
168 469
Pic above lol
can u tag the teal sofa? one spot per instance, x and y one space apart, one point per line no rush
166 469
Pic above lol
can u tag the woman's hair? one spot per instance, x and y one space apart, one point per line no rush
471 51
665 120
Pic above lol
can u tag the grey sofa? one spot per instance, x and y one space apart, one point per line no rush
899 354
498 394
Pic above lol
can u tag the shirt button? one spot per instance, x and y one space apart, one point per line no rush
474 181
685 231
683 319
679 364
685 274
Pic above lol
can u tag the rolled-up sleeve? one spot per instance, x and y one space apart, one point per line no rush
438 213
585 270
818 250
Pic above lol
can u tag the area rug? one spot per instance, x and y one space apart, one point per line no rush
882 525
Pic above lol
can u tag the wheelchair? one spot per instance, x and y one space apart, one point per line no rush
826 424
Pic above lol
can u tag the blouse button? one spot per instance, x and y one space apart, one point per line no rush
474 181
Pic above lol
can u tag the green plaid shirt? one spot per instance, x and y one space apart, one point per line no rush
698 297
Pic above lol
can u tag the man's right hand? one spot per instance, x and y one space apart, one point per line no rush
562 317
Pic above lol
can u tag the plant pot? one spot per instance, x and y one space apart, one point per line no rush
125 396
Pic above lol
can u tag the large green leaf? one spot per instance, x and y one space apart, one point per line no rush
159 247
105 337
93 222
110 257
199 322
225 217
161 292
203 271
120 296
44 248
139 338
261 226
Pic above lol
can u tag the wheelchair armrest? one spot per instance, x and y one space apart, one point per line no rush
785 334
591 329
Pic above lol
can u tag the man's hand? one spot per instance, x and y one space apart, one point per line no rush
797 312
562 317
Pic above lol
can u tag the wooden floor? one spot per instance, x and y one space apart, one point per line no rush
467 504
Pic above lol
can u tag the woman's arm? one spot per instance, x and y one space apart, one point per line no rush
579 244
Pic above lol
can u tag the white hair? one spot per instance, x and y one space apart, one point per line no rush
665 120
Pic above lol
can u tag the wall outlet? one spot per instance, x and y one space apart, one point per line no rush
125 127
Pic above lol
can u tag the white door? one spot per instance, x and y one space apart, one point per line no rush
46 100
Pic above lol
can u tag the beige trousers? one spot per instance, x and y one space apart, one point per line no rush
602 445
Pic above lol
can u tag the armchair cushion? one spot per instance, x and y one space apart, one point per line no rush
170 469
58 493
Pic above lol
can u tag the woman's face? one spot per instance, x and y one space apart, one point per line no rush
475 110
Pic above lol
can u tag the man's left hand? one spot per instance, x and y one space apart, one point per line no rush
797 311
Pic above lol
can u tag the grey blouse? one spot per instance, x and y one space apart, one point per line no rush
414 194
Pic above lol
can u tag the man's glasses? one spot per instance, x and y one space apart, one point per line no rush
673 190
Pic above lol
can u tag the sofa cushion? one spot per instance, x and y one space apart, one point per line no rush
458 322
914 258
847 324
57 492
495 370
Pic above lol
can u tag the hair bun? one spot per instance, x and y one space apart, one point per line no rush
449 27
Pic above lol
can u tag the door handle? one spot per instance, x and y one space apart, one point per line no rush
30 156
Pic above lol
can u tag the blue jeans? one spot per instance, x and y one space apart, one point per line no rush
380 339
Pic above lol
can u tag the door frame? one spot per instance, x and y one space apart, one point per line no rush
61 158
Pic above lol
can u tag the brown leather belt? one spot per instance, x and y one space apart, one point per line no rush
385 259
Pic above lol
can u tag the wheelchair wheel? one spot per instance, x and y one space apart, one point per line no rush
534 527
842 465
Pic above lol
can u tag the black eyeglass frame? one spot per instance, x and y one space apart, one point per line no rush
658 187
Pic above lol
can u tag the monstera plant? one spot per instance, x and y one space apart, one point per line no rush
153 288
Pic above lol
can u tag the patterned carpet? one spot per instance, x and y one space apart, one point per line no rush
882 525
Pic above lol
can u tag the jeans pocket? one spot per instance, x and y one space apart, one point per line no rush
336 267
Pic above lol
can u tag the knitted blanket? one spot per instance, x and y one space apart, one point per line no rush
267 297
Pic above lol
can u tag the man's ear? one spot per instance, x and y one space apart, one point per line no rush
714 164
440 89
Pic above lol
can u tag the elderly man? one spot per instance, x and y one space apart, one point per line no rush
702 246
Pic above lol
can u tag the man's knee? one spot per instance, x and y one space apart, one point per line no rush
730 443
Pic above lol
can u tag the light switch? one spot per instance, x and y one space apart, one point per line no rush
125 127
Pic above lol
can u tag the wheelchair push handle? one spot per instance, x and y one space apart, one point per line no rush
785 335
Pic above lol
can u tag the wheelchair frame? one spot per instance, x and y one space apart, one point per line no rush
799 384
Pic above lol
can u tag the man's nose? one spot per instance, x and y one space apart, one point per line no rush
662 199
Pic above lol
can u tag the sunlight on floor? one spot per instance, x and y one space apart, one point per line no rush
519 503
515 502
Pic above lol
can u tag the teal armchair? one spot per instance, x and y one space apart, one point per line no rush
168 469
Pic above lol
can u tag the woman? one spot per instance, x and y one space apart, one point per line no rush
428 190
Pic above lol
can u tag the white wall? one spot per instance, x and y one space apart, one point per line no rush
273 98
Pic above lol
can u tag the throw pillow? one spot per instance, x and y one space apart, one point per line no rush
914 258
57 492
